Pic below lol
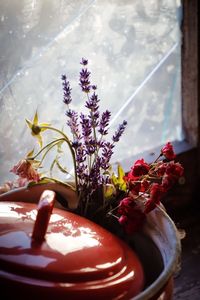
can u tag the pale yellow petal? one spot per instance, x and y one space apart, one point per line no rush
35 120
121 173
30 153
45 124
39 138
29 123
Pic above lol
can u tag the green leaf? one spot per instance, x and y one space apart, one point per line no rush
47 179
59 147
62 169
51 167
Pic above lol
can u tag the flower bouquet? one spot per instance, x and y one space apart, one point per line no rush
124 203
99 193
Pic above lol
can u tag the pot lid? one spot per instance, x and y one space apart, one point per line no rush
74 250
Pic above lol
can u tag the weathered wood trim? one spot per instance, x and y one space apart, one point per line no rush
190 71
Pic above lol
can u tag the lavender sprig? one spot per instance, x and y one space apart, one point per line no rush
85 80
107 152
86 127
104 122
91 146
92 102
73 123
84 61
66 89
92 105
80 155
119 132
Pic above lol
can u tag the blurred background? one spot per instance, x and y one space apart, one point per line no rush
134 53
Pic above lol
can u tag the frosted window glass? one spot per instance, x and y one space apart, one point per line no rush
134 56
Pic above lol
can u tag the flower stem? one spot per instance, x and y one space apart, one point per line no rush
52 144
66 139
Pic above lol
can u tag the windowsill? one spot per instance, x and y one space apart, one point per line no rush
150 155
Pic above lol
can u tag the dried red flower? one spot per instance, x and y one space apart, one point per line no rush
174 169
160 169
147 184
133 223
135 187
132 217
156 192
140 168
168 151
24 169
126 205
168 181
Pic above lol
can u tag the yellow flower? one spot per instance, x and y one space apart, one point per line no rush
37 128
109 191
119 181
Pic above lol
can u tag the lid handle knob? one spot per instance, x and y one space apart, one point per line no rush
45 207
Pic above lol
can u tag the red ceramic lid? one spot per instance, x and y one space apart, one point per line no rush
77 256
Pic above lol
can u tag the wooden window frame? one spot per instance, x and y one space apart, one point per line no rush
190 71
184 196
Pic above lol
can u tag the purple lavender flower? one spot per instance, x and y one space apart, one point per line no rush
66 89
104 122
84 62
119 132
92 153
95 176
92 103
82 175
76 144
73 123
94 118
86 126
91 146
85 80
107 152
80 155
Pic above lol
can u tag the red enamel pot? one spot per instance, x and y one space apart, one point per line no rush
48 252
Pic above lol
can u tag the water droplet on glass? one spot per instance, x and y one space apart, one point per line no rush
170 68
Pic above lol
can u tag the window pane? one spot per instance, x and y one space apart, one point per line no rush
133 49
